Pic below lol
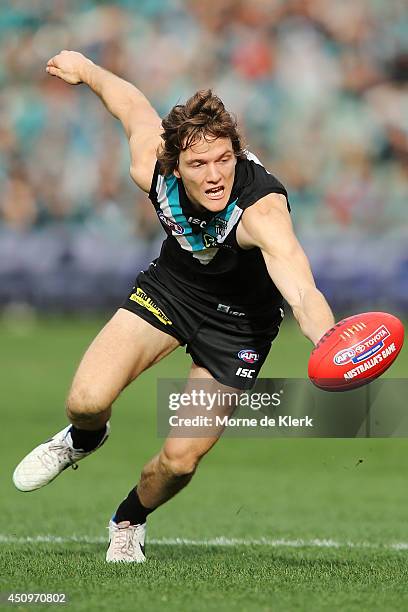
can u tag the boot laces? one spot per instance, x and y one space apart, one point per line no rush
57 454
124 540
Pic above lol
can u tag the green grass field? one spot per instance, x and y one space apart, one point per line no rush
267 524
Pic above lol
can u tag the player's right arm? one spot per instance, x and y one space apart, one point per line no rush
268 226
124 101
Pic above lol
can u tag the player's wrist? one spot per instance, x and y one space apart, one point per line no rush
319 333
87 71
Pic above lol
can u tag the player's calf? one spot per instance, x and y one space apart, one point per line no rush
163 477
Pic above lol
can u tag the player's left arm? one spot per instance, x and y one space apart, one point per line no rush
267 225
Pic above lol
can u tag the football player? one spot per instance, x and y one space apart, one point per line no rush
229 258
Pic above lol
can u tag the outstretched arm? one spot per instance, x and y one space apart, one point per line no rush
124 101
267 225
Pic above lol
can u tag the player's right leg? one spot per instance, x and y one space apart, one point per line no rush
168 472
124 348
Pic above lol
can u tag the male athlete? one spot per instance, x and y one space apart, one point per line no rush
217 286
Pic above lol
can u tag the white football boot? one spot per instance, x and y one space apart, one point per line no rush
49 459
127 543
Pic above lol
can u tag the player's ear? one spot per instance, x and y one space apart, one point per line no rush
176 173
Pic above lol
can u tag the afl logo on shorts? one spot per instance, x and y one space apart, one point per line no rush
248 355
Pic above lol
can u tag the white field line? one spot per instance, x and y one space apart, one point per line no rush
220 541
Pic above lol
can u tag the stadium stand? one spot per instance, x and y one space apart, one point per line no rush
319 86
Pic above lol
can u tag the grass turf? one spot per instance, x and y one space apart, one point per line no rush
288 489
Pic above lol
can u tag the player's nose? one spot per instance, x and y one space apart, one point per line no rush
213 174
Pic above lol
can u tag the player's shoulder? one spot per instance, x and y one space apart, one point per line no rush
254 181
259 172
268 219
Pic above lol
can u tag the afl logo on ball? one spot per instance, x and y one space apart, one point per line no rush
364 349
248 355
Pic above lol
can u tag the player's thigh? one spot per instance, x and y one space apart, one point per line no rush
187 445
124 348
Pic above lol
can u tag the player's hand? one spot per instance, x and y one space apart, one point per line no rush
70 66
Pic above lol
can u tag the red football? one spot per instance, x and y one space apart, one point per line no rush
355 351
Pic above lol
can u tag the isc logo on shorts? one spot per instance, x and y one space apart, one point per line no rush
245 372
248 355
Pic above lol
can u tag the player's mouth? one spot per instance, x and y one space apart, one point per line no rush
215 193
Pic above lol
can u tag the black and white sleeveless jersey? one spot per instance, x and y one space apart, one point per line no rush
200 256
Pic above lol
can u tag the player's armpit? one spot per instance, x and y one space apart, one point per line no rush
144 144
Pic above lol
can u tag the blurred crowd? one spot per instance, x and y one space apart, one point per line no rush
319 88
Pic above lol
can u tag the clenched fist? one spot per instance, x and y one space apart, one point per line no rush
70 66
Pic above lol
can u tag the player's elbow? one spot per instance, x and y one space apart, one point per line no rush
300 298
142 175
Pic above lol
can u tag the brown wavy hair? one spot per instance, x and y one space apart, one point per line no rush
203 115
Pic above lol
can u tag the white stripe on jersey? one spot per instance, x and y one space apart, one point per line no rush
235 215
164 204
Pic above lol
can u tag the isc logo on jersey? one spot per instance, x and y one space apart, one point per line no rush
195 221
248 355
363 350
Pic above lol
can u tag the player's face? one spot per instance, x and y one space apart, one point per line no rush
207 170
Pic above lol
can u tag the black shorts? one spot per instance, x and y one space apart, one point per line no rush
230 343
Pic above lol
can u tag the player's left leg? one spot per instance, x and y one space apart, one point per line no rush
162 478
123 349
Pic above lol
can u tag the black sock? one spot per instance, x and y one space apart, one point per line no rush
131 509
86 440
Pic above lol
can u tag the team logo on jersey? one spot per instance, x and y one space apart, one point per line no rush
175 227
141 298
248 355
220 227
209 241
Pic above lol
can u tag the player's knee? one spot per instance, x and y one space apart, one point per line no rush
178 465
84 403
